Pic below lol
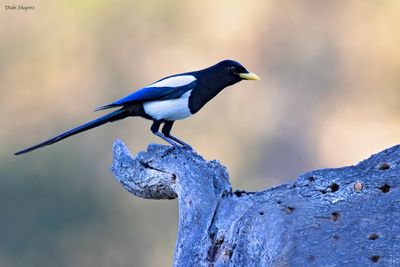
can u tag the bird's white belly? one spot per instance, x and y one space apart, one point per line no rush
173 109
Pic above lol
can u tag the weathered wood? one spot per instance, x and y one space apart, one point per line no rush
331 217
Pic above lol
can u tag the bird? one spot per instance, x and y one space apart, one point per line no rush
172 98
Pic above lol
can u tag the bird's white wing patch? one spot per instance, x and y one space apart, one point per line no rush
174 81
173 109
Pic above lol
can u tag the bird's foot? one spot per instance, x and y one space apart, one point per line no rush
184 145
168 151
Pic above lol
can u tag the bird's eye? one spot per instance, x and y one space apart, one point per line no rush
232 69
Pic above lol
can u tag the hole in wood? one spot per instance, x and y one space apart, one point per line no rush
220 240
334 187
375 258
383 166
373 236
385 188
289 210
335 216
239 193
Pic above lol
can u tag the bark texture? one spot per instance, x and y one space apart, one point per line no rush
331 217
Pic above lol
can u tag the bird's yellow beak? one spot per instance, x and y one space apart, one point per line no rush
249 76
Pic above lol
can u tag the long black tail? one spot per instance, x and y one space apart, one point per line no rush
113 116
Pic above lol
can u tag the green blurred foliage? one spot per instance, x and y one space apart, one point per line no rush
329 96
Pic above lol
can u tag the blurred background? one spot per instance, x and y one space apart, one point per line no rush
329 97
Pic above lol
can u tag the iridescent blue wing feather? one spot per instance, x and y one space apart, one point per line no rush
167 88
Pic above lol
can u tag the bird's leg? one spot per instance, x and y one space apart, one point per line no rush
154 128
175 145
180 141
166 130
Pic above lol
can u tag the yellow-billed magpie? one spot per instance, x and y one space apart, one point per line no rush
172 98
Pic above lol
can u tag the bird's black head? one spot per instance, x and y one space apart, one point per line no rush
233 72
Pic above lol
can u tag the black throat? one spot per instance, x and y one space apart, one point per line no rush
209 83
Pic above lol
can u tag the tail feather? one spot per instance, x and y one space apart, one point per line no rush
113 116
106 107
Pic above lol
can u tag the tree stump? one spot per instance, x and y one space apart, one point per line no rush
331 217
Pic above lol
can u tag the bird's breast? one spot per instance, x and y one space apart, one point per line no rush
172 109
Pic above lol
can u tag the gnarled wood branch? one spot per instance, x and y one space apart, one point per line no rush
347 216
